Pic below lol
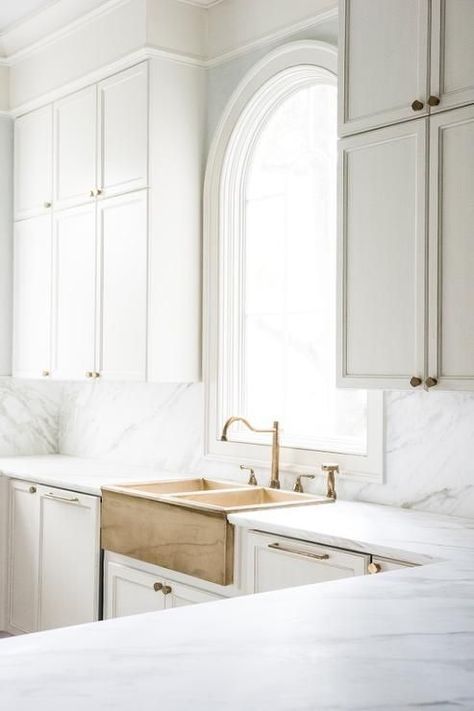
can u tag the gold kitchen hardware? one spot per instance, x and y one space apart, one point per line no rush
298 484
32 490
417 105
166 590
431 382
252 478
298 551
331 470
157 587
374 568
434 101
91 193
275 432
45 373
64 499
415 382
95 375
89 374
98 192
46 204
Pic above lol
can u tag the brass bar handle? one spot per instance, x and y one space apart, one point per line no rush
415 382
157 587
434 101
431 382
417 105
374 568
297 551
166 590
65 499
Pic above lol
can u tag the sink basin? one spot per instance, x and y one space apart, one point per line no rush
173 486
242 499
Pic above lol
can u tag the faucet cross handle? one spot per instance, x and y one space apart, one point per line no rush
298 487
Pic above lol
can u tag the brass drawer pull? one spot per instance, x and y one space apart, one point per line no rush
166 590
296 551
157 587
66 499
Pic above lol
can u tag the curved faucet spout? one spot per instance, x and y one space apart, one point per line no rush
274 431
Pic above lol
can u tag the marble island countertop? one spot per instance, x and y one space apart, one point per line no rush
399 640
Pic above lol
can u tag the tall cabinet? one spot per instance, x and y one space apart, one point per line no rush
107 236
406 180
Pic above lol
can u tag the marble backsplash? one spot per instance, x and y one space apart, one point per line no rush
429 436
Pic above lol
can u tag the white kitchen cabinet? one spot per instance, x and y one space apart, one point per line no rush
452 53
382 257
383 62
32 297
123 131
387 565
74 293
276 562
75 148
54 557
130 590
33 168
123 278
23 556
451 331
69 558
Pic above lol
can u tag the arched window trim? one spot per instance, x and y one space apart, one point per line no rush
271 81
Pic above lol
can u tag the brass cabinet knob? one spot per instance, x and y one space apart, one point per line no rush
45 373
46 204
32 490
415 381
417 105
99 191
89 374
434 101
96 374
157 587
374 568
431 382
166 590
91 193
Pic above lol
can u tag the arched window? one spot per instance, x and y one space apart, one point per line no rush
272 259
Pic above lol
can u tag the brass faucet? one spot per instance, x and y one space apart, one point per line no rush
331 470
275 431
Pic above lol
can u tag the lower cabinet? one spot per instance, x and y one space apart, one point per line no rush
131 591
54 557
276 562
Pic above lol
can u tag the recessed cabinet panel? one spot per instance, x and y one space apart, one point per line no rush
123 142
452 249
384 62
33 153
382 245
452 55
69 558
123 238
23 556
74 264
75 121
131 592
32 297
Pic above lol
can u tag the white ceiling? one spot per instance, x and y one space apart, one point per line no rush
12 11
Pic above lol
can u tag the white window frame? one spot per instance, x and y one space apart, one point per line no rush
272 80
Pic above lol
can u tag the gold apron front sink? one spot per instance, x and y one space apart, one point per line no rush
182 524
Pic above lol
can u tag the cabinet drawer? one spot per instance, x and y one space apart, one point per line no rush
386 565
276 562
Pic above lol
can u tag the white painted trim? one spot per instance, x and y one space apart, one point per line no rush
303 57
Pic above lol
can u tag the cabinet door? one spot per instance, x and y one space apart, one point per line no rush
75 148
74 293
32 297
33 156
382 257
383 62
179 595
69 544
23 556
123 139
123 238
452 53
276 562
451 352
129 591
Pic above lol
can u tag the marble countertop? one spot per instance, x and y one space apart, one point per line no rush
400 640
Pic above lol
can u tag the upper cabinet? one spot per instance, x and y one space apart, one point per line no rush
33 150
120 253
402 59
